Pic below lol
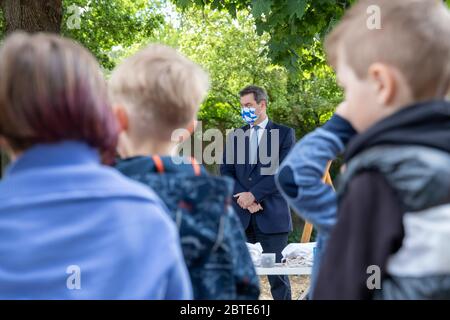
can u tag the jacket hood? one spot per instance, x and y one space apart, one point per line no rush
424 124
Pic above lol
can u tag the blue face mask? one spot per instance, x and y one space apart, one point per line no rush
249 115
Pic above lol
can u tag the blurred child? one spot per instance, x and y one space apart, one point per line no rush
393 224
71 228
300 179
156 92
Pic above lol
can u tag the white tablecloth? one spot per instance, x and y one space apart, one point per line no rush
280 269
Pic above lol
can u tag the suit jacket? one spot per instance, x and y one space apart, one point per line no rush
276 142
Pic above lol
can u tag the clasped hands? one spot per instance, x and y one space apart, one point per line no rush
246 200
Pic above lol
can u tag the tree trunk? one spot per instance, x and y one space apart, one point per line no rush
32 15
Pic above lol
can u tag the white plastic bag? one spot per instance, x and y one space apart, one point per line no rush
255 252
299 254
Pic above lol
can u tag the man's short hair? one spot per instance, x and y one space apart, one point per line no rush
259 93
414 38
162 89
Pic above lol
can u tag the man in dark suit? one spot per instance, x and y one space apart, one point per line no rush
251 157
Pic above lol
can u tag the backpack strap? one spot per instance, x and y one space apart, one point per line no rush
160 165
196 167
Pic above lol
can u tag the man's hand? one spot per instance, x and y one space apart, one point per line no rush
255 207
245 199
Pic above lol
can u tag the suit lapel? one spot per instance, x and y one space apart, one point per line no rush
266 147
246 145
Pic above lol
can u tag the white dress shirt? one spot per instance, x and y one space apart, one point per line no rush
262 127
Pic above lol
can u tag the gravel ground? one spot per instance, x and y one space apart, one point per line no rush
298 285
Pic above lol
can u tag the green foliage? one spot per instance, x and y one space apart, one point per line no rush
234 55
2 23
105 25
292 25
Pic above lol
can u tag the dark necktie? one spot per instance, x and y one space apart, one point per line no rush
254 145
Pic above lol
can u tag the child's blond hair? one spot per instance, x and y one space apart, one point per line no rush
161 88
414 37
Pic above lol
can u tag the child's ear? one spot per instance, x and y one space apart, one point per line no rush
384 80
122 117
